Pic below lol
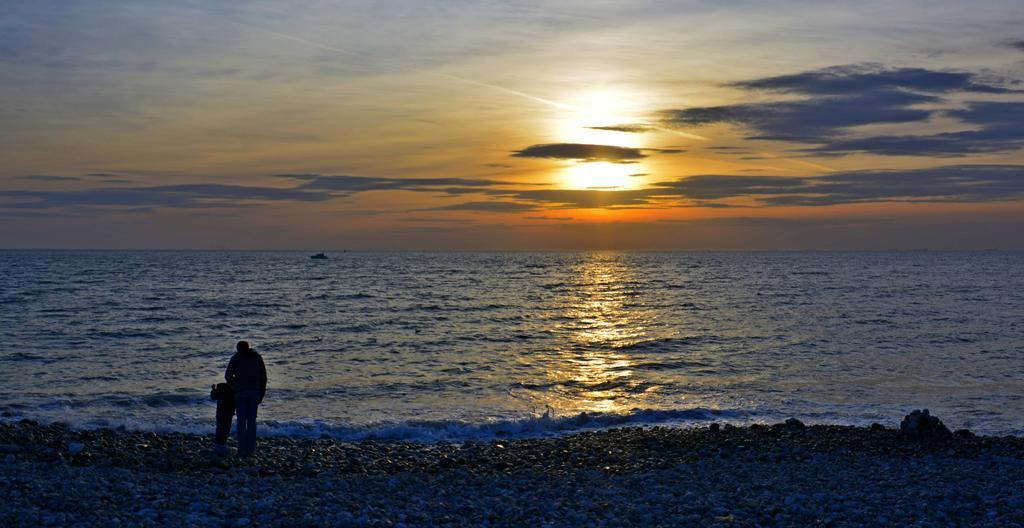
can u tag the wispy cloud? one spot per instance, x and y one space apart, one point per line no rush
309 188
860 78
956 183
488 207
949 184
997 128
172 196
636 128
47 178
346 185
834 101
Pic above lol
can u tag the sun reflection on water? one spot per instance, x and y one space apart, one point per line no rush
602 318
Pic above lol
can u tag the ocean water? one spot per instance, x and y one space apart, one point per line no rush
453 346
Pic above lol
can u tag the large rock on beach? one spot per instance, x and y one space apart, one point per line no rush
921 425
794 424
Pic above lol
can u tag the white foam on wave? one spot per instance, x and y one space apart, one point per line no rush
545 425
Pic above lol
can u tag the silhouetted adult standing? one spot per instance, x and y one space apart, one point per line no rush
247 376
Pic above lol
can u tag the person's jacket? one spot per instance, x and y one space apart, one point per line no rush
247 371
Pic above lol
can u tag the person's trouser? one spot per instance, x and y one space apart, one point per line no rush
225 413
246 402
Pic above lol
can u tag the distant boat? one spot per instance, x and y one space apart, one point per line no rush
319 256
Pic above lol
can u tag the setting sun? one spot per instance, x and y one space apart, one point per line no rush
600 175
592 119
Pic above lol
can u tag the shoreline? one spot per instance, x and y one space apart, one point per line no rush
778 475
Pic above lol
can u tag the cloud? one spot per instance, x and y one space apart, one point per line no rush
632 129
40 215
860 78
488 207
956 183
47 178
809 120
308 188
834 101
109 177
435 220
353 184
1016 44
719 205
102 177
998 129
174 196
582 152
712 187
587 198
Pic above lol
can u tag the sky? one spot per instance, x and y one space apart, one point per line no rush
512 125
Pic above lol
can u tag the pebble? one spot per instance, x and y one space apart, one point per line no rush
751 476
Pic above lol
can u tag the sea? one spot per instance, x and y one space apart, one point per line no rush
430 346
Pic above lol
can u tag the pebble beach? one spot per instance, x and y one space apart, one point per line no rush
785 474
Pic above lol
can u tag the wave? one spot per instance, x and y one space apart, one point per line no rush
26 356
662 343
546 424
127 401
427 431
598 386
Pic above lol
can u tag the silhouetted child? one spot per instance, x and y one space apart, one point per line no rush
247 376
225 412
